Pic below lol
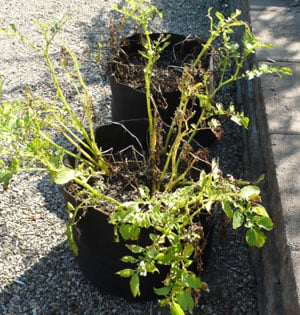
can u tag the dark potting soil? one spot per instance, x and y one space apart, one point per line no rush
131 168
128 65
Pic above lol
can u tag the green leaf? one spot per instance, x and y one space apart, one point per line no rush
260 210
163 46
135 248
151 252
71 242
129 259
129 231
227 209
150 267
265 223
145 54
153 237
162 291
161 258
62 175
240 120
188 250
286 70
13 27
192 281
204 286
176 309
169 256
238 219
7 174
144 192
255 237
70 207
135 285
5 179
220 16
185 300
125 273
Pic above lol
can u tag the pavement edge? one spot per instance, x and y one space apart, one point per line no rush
277 284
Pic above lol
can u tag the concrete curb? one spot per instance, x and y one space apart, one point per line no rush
273 149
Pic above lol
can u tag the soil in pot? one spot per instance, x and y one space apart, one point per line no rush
98 253
127 79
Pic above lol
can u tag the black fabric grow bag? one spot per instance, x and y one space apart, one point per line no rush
129 102
98 253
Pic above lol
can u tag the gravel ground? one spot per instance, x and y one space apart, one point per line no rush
39 275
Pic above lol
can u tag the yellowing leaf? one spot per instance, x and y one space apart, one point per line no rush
176 309
260 210
125 273
204 286
250 192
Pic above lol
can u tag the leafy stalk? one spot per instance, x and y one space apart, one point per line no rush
49 31
174 203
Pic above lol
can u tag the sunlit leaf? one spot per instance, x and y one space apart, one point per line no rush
286 70
71 242
129 231
238 219
135 248
220 16
249 192
150 267
135 285
144 191
265 223
176 309
129 259
125 273
260 210
240 120
63 175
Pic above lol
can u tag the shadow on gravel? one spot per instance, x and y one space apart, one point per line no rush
53 198
56 285
42 288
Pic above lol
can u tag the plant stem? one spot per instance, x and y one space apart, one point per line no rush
95 192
